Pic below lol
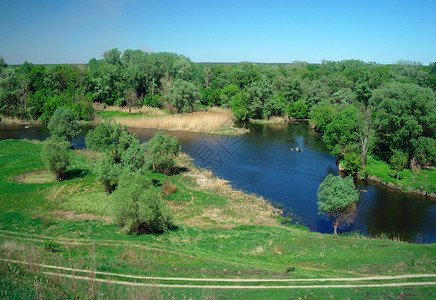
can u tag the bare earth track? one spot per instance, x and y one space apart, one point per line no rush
159 285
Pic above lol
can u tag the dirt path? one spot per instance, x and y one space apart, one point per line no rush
239 287
406 276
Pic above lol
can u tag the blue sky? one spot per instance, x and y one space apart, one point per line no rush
61 31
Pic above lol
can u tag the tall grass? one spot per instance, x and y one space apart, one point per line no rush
204 121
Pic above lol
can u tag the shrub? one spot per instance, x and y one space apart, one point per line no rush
134 158
138 205
107 172
111 138
162 149
64 124
51 246
55 155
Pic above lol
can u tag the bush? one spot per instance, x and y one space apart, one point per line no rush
138 205
64 124
111 138
107 172
134 158
52 246
55 155
162 149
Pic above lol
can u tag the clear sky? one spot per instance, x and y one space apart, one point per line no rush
74 31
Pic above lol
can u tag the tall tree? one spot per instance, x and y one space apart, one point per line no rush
366 132
337 197
404 112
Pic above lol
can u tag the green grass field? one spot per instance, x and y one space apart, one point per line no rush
424 180
219 234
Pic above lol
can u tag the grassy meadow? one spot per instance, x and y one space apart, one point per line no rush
220 233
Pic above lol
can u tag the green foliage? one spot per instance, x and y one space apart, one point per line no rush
55 155
64 124
352 162
399 161
404 113
321 114
111 138
51 246
138 205
341 135
258 93
134 158
337 197
184 96
274 106
425 151
112 56
107 172
239 104
298 109
162 149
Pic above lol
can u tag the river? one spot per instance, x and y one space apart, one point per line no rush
262 162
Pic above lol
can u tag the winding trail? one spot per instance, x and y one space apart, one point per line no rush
139 284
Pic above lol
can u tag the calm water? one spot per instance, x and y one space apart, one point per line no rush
262 163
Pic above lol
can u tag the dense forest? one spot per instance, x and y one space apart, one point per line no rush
361 108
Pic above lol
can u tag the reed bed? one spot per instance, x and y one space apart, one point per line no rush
135 110
204 121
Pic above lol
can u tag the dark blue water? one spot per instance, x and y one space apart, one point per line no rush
262 162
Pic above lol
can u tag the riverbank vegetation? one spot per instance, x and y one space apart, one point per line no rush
387 111
219 233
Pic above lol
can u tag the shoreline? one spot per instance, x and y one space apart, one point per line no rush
373 179
409 190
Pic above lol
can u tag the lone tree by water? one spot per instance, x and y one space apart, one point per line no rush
64 124
337 198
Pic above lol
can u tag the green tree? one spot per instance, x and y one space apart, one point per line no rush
274 106
64 124
239 104
298 109
337 197
112 56
9 90
138 205
134 158
184 96
107 172
399 161
55 155
321 114
342 134
162 149
111 138
404 112
425 151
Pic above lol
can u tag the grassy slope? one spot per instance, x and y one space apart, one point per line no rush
213 238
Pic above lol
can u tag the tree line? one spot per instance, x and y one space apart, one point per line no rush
360 107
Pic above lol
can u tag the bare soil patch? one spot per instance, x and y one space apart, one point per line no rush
36 177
